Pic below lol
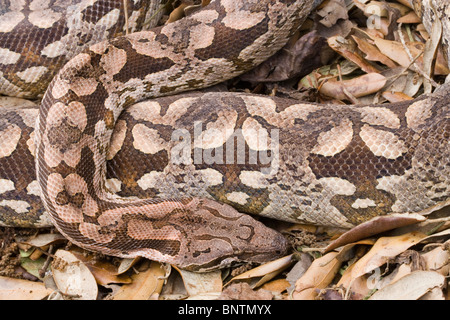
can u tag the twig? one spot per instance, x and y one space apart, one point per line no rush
125 9
47 261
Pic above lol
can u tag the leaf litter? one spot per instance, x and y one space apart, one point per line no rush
348 51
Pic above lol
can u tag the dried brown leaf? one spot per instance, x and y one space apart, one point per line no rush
332 11
266 271
318 276
145 284
177 13
411 287
372 52
104 272
44 239
348 50
384 249
396 96
357 87
373 227
438 260
277 286
357 287
410 17
18 289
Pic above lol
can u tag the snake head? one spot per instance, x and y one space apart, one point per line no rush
220 236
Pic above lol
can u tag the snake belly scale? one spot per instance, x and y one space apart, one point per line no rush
299 162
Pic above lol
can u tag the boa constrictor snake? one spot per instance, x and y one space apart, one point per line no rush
172 181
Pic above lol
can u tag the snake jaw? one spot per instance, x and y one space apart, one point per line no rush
222 236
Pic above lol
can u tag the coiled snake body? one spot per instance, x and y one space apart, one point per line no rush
179 162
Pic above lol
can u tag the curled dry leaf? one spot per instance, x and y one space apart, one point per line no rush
126 264
104 272
396 51
348 49
144 284
266 271
372 52
72 277
318 276
411 287
384 249
357 87
375 226
45 239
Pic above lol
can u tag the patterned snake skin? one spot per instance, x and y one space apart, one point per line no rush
178 165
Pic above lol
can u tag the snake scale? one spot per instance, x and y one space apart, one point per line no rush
128 166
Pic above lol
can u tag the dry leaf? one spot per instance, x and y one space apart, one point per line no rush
393 97
375 226
395 51
72 277
104 272
33 266
177 13
304 262
332 11
413 84
318 276
45 239
18 289
438 260
372 52
384 249
276 286
411 287
144 284
206 285
433 294
357 87
126 264
405 3
410 17
266 271
348 50
430 52
423 32
358 288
